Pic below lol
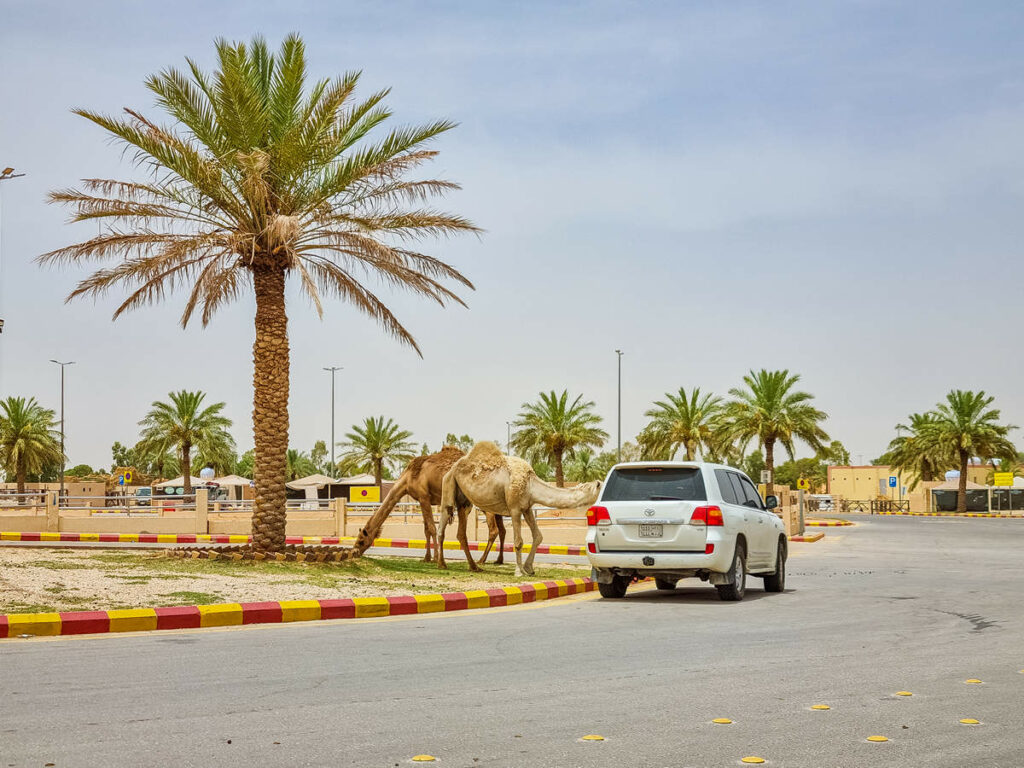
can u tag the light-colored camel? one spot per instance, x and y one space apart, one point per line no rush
503 485
422 480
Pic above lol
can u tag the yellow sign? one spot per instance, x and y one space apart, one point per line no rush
369 493
127 477
803 484
1002 478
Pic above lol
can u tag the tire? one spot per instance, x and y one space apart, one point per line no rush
737 587
617 587
776 582
668 584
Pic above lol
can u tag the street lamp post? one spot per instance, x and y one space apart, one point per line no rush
62 460
618 438
333 369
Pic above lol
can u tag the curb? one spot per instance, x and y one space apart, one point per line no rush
233 614
827 523
808 537
223 538
953 514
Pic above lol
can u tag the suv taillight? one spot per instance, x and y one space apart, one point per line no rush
597 515
711 515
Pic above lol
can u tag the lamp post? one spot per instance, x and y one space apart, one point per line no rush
62 460
618 438
333 369
5 175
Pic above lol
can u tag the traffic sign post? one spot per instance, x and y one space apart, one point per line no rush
803 484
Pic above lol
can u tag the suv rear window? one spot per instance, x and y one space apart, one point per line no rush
655 484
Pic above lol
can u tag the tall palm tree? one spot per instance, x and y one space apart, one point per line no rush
377 443
259 178
915 455
29 438
964 426
770 410
185 424
585 468
299 464
552 428
686 420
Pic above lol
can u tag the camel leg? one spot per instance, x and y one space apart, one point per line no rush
446 517
501 540
492 534
464 539
531 519
429 529
517 536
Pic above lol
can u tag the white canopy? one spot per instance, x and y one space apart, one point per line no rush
363 479
180 480
316 481
231 481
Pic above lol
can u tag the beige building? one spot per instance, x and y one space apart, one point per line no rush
865 483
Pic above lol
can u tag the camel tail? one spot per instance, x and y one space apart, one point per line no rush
372 528
448 493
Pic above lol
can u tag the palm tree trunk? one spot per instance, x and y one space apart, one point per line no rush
961 493
769 464
559 471
270 409
186 467
21 480
378 471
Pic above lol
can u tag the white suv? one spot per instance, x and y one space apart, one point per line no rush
673 520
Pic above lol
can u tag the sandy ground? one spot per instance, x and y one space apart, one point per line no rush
33 580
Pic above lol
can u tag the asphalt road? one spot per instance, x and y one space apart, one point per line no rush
914 604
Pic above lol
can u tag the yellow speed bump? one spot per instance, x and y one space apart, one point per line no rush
752 759
592 737
972 681
878 738
970 721
722 721
820 706
424 759
904 693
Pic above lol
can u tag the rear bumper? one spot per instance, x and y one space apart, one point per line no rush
718 561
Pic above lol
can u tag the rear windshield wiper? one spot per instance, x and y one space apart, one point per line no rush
665 498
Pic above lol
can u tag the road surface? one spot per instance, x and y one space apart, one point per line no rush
893 604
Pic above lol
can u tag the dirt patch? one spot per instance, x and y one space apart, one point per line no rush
39 580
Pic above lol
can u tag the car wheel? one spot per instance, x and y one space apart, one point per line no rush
776 582
665 583
737 586
617 587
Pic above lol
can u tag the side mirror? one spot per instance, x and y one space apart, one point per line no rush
771 502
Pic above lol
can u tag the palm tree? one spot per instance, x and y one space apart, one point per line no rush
184 424
259 178
771 411
553 428
966 426
685 421
377 443
29 439
585 468
915 455
299 464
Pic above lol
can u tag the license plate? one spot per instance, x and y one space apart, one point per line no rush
650 530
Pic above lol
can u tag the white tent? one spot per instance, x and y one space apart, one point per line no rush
314 481
363 479
180 480
231 481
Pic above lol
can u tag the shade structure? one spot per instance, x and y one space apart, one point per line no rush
231 481
315 481
179 480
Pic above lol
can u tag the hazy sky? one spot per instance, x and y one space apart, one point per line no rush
834 188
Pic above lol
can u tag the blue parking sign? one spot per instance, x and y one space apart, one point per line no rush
892 481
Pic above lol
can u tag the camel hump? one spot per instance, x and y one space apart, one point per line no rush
486 455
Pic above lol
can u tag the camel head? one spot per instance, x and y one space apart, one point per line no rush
590 492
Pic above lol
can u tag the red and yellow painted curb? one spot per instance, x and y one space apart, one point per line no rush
230 614
827 523
221 538
808 537
954 514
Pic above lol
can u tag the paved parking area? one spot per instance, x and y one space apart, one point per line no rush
919 605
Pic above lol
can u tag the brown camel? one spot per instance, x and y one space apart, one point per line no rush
503 485
422 480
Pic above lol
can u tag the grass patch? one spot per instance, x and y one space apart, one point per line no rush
192 598
59 565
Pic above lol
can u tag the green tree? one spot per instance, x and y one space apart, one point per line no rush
187 425
464 443
769 410
124 456
29 440
966 425
299 465
835 453
79 470
682 421
378 443
584 467
812 469
259 177
318 455
542 469
244 465
552 429
752 465
915 454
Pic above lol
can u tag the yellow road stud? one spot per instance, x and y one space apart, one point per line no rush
904 693
752 759
877 738
722 721
820 706
972 680
970 721
424 759
592 737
